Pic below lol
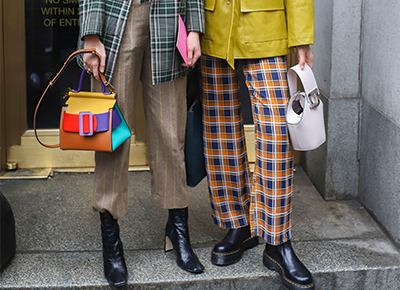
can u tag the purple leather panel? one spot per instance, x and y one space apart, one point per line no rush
116 119
102 122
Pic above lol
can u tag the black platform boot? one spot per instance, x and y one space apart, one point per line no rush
294 274
113 253
231 248
177 237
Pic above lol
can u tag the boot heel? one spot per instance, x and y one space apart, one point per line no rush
282 259
231 248
168 244
177 238
269 263
251 243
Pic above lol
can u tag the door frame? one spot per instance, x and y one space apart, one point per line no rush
2 111
3 151
12 75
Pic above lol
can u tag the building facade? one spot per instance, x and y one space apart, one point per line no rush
355 66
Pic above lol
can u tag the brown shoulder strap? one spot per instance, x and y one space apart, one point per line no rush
52 82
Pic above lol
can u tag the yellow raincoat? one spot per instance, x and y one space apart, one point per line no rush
237 29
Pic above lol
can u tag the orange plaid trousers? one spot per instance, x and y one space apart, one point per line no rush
264 199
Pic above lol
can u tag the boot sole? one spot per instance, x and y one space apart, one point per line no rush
274 265
224 259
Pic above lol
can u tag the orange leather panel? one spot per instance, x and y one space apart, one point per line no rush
73 141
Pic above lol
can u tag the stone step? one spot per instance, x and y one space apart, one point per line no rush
59 243
347 264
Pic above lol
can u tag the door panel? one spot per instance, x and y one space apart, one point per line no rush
33 54
51 29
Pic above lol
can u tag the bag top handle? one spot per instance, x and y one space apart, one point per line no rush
71 57
104 83
306 77
103 87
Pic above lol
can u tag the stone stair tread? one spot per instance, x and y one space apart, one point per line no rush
61 270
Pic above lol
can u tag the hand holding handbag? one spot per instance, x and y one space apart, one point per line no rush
91 120
305 111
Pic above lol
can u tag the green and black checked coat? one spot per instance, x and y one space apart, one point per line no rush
107 19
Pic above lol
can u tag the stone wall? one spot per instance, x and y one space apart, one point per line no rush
356 63
334 167
379 186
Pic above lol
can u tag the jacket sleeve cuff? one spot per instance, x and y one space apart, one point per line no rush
195 16
301 41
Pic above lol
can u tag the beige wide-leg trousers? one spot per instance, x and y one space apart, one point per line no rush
165 112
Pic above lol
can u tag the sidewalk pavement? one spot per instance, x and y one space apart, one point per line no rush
59 241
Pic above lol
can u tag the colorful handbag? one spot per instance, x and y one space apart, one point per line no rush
305 111
91 120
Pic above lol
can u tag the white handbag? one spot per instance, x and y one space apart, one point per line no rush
305 111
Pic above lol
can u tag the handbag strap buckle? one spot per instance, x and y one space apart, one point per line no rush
313 98
82 123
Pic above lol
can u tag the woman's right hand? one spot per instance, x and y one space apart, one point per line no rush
91 61
305 55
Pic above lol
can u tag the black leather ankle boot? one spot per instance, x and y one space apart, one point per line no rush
231 248
294 274
113 253
177 237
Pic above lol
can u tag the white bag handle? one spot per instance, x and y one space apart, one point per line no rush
307 78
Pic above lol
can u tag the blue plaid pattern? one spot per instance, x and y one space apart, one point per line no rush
270 204
225 148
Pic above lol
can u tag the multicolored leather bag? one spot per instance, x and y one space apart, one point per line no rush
91 120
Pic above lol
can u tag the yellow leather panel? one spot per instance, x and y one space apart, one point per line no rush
89 102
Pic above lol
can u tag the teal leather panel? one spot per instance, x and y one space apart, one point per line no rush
120 133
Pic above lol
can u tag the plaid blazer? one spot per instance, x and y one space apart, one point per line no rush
107 19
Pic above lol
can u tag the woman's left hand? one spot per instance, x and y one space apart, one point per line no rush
193 48
305 55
